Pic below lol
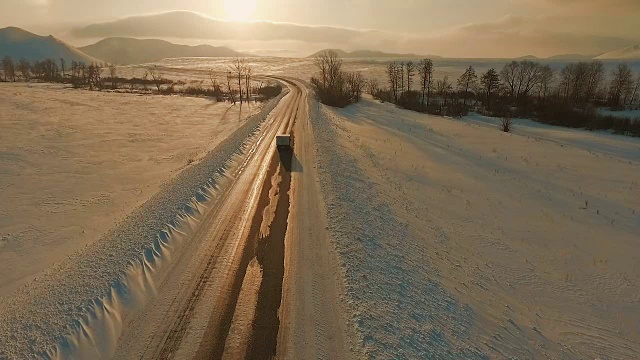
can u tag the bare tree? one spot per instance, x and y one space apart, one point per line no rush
635 91
509 75
113 74
621 85
329 65
392 73
214 83
373 86
546 79
594 81
238 68
156 76
520 78
528 78
425 69
411 68
229 89
63 63
400 74
444 88
145 79
212 78
83 73
50 70
333 86
247 80
490 86
506 124
76 74
356 84
466 81
94 76
8 68
24 67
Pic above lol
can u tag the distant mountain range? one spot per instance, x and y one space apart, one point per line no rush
628 53
19 43
572 57
372 54
127 51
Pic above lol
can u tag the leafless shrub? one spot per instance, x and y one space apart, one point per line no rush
506 124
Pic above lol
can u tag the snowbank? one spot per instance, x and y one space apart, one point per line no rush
398 307
76 309
460 241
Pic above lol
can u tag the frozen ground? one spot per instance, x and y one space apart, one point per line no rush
459 241
73 163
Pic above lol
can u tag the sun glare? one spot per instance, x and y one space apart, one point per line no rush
239 10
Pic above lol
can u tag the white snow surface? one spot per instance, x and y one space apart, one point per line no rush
76 308
458 241
626 114
618 146
73 162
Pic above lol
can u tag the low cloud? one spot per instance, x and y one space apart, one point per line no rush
510 36
609 4
514 36
190 25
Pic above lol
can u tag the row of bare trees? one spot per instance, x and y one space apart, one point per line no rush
519 83
79 74
401 79
580 84
528 88
97 76
333 85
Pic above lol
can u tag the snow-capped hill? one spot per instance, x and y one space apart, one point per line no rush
631 52
18 43
127 51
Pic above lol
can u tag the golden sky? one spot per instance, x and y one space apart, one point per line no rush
455 28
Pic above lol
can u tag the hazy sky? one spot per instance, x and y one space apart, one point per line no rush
464 28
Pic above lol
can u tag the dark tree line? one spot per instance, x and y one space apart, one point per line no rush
568 97
99 76
51 70
333 85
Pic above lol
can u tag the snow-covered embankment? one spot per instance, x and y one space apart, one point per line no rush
77 308
398 309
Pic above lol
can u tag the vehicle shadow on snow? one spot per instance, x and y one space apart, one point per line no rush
289 160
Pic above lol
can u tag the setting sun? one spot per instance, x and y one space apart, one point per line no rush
239 10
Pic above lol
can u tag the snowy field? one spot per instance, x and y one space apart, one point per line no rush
73 163
303 68
603 142
460 241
